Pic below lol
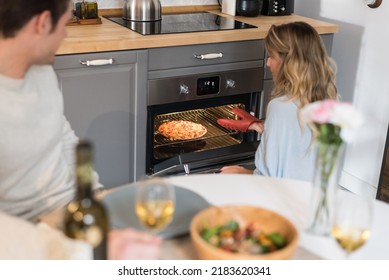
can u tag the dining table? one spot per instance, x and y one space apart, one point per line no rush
287 197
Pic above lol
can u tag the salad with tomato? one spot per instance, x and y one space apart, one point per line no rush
251 239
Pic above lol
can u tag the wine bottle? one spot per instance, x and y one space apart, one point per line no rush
85 217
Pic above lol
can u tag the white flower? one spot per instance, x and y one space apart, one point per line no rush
348 118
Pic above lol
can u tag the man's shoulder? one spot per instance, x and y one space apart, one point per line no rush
42 73
41 69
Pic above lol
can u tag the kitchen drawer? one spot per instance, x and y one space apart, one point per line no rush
184 56
74 61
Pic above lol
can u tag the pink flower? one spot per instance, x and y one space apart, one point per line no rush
322 113
341 114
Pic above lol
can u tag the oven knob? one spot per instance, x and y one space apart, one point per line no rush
230 83
184 89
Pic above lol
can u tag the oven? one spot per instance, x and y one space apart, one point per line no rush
201 84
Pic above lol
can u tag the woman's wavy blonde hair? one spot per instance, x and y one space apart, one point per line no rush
306 72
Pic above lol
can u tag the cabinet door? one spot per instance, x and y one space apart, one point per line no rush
99 104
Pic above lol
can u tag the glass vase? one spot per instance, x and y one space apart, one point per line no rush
325 182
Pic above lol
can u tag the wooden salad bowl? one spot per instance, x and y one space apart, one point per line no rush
269 222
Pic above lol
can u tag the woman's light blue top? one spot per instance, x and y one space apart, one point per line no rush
285 150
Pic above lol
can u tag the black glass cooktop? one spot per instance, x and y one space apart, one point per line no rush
182 23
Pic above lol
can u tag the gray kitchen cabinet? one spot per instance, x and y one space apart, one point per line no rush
102 103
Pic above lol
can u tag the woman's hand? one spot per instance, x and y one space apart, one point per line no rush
235 169
257 126
130 244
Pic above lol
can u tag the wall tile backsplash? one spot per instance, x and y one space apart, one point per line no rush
119 3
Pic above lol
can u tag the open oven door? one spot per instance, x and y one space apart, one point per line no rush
210 162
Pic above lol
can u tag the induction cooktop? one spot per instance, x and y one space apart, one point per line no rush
182 23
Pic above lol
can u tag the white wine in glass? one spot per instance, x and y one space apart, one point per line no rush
352 220
155 204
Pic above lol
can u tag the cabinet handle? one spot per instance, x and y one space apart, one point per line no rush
97 62
208 56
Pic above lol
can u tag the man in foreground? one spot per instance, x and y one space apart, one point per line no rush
36 141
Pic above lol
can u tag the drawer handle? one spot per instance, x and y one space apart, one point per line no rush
208 56
97 62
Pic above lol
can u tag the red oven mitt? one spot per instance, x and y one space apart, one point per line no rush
246 119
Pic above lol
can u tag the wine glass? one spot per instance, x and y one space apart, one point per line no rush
155 204
351 221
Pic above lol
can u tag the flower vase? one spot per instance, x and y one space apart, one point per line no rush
325 183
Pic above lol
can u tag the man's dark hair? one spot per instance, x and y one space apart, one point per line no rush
14 14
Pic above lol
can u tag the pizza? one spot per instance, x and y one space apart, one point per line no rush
182 130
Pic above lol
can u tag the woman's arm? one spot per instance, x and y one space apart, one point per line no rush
235 169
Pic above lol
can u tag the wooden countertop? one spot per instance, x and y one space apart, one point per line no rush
110 36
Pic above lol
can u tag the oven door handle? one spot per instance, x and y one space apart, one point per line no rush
163 171
179 163
208 55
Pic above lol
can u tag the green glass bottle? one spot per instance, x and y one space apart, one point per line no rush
85 217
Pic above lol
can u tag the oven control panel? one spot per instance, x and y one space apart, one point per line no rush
202 86
208 85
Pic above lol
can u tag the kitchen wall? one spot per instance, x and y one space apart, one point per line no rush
360 50
119 3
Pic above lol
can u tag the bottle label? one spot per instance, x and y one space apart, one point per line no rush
84 174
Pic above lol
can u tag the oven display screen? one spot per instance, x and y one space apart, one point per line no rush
209 85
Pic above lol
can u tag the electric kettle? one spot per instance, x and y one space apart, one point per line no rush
248 8
142 10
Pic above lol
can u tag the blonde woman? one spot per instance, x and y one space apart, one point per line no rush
303 73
